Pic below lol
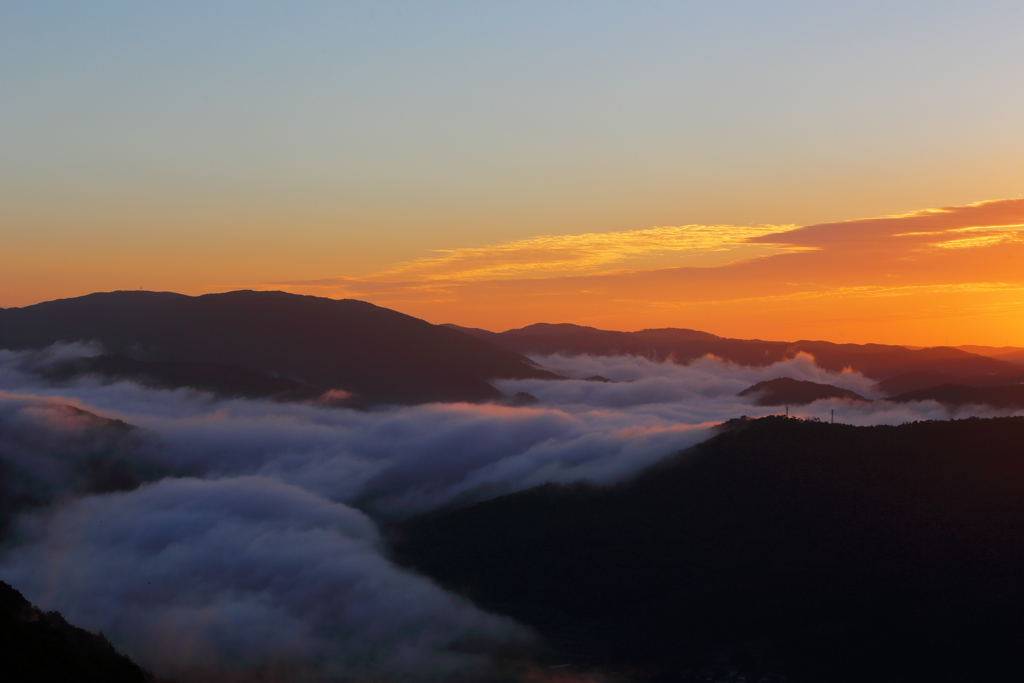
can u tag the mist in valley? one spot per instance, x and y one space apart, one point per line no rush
208 537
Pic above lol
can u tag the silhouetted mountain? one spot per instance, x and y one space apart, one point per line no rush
224 380
878 361
486 335
376 353
38 647
957 395
914 381
925 379
794 392
547 338
822 552
1013 354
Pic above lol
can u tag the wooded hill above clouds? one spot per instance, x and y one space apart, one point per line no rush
814 551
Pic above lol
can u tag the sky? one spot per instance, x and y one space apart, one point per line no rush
842 171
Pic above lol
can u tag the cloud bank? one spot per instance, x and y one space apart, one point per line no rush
238 539
245 575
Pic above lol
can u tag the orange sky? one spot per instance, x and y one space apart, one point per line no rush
946 276
953 275
625 165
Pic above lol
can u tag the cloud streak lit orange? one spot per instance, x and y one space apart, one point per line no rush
548 255
949 275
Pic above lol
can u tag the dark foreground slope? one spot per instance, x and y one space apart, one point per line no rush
40 647
376 353
878 361
822 552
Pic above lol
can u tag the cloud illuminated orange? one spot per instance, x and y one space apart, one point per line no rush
547 255
949 275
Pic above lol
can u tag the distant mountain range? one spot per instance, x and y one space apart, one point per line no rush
898 369
956 395
290 347
547 338
253 342
1014 354
780 549
788 391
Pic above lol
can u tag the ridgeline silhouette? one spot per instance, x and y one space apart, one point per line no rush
958 395
379 355
882 362
789 391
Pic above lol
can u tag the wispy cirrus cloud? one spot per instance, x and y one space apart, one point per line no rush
548 255
588 253
909 278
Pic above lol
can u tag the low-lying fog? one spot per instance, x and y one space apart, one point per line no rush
251 547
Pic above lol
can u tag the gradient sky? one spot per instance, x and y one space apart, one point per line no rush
714 165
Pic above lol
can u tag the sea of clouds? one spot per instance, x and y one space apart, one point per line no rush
241 539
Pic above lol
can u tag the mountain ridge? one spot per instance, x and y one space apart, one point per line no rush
381 355
881 362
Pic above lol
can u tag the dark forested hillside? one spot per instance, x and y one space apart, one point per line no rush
379 354
815 551
39 647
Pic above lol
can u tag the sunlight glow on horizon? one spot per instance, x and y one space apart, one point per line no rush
873 280
498 164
